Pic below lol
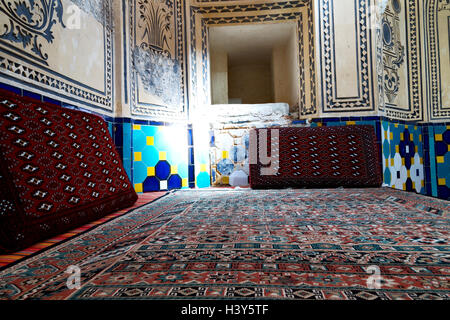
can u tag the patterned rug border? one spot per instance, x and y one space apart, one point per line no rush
387 190
134 235
68 239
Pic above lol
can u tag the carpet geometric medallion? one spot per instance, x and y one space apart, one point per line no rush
349 244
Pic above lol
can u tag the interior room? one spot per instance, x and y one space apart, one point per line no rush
224 149
254 64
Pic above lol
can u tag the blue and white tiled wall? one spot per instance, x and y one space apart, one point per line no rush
163 156
160 160
402 156
156 155
437 140
415 156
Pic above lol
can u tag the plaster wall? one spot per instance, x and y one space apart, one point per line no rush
250 83
219 77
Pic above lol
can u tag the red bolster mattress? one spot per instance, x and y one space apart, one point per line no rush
59 169
336 156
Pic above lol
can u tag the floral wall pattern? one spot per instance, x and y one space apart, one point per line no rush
401 81
156 49
34 52
30 23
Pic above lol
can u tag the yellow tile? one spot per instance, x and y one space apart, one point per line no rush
387 162
448 148
421 160
404 186
173 169
150 141
138 156
415 127
416 149
225 180
391 136
448 127
162 155
349 123
385 135
414 185
184 182
442 182
411 137
420 137
396 125
397 149
392 162
440 159
224 154
412 160
403 161
136 127
138 187
203 168
150 171
408 173
402 137
438 137
423 183
319 124
406 126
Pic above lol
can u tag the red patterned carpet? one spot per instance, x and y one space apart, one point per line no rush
247 244
8 259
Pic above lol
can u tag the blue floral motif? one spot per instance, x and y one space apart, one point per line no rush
29 21
225 167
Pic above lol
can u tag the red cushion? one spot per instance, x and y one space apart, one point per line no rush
336 156
59 169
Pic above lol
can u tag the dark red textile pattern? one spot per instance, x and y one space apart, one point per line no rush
59 169
336 156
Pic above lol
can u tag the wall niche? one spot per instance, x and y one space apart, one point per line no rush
254 64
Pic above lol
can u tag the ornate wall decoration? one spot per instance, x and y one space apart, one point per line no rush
155 20
394 57
443 5
401 81
402 156
32 40
31 22
438 107
157 56
300 12
364 99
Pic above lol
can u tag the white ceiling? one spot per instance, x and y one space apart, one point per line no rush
249 44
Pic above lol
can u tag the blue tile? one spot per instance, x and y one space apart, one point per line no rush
33 95
190 138
191 155
151 184
11 88
162 170
174 182
191 173
50 100
330 119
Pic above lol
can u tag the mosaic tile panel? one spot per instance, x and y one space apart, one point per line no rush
403 157
440 160
159 157
201 167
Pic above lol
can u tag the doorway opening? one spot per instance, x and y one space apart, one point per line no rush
254 64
